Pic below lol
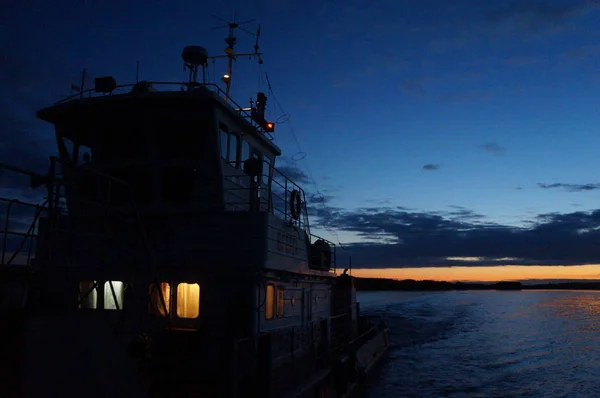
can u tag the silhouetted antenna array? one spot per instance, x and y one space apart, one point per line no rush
230 54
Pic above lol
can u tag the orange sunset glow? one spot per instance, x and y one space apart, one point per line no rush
484 274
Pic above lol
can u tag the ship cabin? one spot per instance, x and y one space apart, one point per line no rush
167 210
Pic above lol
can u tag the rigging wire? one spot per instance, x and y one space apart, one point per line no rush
301 155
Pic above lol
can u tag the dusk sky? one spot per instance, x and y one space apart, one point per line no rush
437 133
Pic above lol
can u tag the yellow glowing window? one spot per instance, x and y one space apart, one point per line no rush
269 301
280 301
188 300
156 306
88 295
113 295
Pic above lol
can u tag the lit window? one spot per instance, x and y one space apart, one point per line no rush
188 300
269 301
110 294
280 301
155 306
88 295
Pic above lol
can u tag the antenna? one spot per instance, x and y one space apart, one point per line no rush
229 50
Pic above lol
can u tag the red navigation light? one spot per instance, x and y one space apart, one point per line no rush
269 127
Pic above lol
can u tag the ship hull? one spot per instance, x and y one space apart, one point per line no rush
65 354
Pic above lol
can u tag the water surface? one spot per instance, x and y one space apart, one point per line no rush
488 343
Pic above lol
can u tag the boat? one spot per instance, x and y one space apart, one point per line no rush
171 257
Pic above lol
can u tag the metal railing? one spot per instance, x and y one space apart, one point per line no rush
183 87
18 230
271 192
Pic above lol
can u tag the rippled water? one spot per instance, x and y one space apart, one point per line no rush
488 344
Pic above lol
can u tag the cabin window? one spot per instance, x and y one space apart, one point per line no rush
88 295
188 300
269 301
113 295
224 136
84 155
69 146
155 305
233 145
245 152
280 301
266 170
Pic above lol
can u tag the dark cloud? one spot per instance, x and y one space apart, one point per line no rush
414 86
295 174
400 238
431 167
571 187
25 141
493 147
535 15
475 95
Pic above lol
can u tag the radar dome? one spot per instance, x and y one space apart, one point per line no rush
195 55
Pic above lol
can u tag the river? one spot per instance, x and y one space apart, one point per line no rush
488 344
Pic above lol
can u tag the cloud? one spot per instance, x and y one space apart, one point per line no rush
466 96
295 174
493 147
431 167
413 86
400 238
535 15
521 61
571 187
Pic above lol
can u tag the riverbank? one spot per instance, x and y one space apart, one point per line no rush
379 284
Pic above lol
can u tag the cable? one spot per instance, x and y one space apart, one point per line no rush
300 155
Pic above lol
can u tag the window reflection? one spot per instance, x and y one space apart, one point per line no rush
88 295
155 306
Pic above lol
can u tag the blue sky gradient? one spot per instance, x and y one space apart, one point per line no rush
420 104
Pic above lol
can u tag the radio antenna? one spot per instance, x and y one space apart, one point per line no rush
230 54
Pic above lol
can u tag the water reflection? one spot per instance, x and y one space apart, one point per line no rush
504 344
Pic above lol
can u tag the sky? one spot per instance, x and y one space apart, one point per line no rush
448 140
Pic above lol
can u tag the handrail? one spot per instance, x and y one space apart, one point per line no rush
26 231
278 192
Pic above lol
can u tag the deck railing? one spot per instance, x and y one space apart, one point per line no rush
20 213
271 192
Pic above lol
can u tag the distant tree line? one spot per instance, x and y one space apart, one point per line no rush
427 285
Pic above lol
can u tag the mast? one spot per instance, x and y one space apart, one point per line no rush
230 53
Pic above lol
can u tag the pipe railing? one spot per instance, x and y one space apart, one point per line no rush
276 198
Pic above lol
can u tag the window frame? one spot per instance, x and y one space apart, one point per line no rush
280 300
